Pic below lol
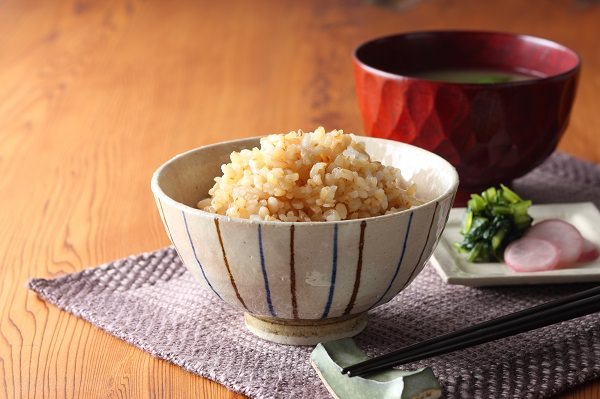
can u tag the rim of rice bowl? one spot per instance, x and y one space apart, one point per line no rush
157 190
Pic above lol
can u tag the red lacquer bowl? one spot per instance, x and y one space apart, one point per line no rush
492 133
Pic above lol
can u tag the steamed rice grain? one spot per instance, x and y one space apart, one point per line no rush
304 177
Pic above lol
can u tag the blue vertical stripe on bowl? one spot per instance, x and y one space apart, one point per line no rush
416 267
399 265
333 273
293 274
264 272
163 215
187 229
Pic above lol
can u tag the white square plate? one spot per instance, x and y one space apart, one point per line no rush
455 269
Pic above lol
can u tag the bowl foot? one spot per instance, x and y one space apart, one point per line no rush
305 332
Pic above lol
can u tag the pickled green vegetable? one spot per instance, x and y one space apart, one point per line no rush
493 219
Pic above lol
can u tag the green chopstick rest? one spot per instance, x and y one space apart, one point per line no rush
329 358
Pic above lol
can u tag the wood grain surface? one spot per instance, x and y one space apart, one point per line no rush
94 95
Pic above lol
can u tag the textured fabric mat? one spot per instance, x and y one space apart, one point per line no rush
152 302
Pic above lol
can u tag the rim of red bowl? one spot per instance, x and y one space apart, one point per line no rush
529 38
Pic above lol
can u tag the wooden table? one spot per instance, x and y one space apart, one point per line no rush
95 95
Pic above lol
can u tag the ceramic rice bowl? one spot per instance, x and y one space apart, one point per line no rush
308 282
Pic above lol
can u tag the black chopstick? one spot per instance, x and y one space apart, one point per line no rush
460 334
569 307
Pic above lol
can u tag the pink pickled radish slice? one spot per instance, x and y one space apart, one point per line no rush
590 252
531 255
563 235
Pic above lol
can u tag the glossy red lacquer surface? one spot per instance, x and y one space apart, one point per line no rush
491 133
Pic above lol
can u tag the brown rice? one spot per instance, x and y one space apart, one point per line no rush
303 177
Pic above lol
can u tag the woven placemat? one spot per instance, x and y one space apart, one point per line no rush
152 302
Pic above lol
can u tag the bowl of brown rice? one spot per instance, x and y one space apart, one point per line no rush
305 232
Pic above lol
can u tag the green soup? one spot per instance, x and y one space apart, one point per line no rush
475 75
